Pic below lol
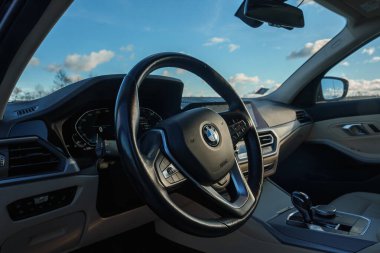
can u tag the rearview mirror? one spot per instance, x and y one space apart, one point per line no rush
274 12
333 89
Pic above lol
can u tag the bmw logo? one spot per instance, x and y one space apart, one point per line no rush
210 135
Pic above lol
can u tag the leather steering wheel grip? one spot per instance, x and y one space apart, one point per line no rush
140 168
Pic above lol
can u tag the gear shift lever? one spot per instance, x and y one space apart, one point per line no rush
303 204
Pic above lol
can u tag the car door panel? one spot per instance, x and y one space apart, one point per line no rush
362 145
332 161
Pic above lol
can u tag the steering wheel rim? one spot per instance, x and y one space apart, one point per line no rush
140 156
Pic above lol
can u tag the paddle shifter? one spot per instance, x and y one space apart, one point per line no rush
303 204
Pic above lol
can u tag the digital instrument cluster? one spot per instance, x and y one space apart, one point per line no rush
98 124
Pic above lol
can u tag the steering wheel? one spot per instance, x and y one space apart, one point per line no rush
193 149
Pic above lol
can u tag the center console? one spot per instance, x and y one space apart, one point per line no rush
320 227
325 218
283 223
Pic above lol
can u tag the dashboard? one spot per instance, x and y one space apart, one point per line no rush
78 117
57 138
98 124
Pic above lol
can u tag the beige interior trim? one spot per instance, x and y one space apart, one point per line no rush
373 249
96 228
364 148
252 237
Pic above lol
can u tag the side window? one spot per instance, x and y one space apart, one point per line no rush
356 77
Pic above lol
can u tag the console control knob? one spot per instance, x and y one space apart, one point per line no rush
325 211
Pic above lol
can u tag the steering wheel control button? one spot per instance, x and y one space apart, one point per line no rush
211 135
172 175
169 171
168 174
170 180
238 130
164 163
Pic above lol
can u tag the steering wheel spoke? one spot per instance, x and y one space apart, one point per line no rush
234 200
238 197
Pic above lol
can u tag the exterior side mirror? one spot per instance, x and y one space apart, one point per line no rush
332 89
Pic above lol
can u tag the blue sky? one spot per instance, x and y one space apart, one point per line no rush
97 37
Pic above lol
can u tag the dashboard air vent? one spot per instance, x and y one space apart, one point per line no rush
268 143
26 110
30 158
302 117
266 139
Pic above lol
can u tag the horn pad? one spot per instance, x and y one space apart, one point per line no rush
199 139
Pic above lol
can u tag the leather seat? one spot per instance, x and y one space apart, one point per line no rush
361 203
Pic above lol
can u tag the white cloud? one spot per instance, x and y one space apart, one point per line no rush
180 71
369 50
34 62
53 67
345 63
242 78
375 59
215 41
166 73
87 62
362 87
224 43
309 49
232 47
127 48
75 78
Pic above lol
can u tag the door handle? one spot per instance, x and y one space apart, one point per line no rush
356 129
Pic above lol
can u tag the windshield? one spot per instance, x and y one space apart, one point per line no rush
109 37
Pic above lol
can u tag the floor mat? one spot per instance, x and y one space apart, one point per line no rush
141 240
